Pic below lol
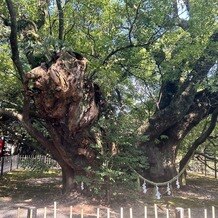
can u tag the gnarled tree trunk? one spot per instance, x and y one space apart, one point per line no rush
67 105
161 161
181 107
167 129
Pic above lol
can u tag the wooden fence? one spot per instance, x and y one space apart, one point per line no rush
146 212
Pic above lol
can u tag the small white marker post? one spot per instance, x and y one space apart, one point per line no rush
155 211
179 212
121 212
130 213
31 213
168 213
205 213
55 209
145 212
45 212
18 212
108 212
71 212
82 213
98 213
189 213
213 212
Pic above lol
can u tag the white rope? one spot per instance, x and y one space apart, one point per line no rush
175 178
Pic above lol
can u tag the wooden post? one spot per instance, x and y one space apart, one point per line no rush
189 213
32 212
155 211
18 212
98 213
45 212
108 212
168 213
205 213
145 212
82 213
71 212
130 213
55 209
121 212
213 212
179 212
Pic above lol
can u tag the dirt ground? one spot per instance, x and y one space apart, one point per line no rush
22 189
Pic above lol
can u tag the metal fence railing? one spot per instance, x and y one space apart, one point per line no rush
9 163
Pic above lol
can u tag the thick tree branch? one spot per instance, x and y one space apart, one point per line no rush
200 140
29 128
183 99
199 110
13 40
26 123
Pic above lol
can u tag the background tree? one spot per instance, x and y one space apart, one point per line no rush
155 63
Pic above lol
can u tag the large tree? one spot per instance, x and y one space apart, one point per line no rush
155 62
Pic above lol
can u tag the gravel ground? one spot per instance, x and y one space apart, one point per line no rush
20 192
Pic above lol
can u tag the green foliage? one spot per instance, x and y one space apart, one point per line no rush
118 152
114 172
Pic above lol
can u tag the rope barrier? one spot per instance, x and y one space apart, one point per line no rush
158 184
175 178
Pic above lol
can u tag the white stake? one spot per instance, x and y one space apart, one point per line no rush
98 213
31 213
168 214
189 213
130 213
205 213
82 213
155 211
121 212
108 212
145 212
55 209
213 212
45 212
18 212
71 212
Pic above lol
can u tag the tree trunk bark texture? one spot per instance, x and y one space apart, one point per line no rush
162 146
67 105
68 179
161 161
